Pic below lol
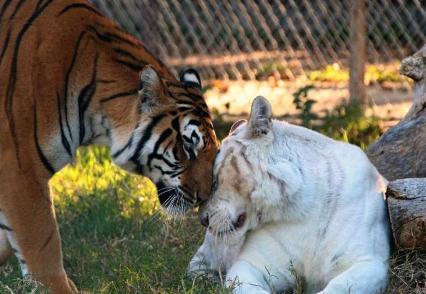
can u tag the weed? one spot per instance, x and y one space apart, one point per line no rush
271 69
346 122
220 123
304 105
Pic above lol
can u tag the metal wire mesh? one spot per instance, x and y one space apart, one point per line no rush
253 39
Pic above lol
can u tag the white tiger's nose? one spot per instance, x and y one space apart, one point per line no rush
204 218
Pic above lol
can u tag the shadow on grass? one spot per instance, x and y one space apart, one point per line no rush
107 251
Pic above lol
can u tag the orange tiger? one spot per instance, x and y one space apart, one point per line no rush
70 77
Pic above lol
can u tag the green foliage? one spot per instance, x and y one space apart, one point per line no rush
381 74
373 74
270 69
304 105
220 123
346 122
331 72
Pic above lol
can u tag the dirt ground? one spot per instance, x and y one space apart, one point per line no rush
234 97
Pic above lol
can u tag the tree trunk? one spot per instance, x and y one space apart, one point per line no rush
407 212
358 47
400 152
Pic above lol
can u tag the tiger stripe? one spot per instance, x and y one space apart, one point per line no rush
40 153
64 139
4 7
67 81
6 42
13 71
17 7
119 95
146 136
84 99
78 6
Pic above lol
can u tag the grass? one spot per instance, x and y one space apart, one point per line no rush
408 272
374 74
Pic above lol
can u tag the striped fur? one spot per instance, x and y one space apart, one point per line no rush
72 77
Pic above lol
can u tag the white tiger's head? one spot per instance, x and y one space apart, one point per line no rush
247 185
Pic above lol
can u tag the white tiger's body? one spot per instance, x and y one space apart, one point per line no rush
313 208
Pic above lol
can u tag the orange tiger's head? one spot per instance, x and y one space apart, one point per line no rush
167 137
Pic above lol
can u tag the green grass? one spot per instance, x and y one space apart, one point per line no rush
374 74
115 239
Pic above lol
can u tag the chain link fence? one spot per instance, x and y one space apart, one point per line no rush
254 39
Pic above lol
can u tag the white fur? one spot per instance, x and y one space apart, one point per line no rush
319 214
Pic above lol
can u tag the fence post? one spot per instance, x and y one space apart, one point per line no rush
358 48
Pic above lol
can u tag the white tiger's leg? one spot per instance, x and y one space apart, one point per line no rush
201 265
203 262
5 249
243 278
213 258
361 278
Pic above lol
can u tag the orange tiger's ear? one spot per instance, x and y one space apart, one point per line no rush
151 89
236 124
191 78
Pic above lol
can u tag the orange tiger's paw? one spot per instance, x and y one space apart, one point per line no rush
61 285
72 286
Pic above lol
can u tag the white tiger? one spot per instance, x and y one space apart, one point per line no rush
287 202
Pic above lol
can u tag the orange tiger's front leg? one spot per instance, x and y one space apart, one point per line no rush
29 220
5 249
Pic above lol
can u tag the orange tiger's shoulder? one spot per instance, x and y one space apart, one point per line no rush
20 10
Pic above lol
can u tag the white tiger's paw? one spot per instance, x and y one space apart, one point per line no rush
210 275
199 268
251 290
328 291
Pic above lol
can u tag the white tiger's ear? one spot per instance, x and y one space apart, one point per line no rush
288 174
151 88
260 121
